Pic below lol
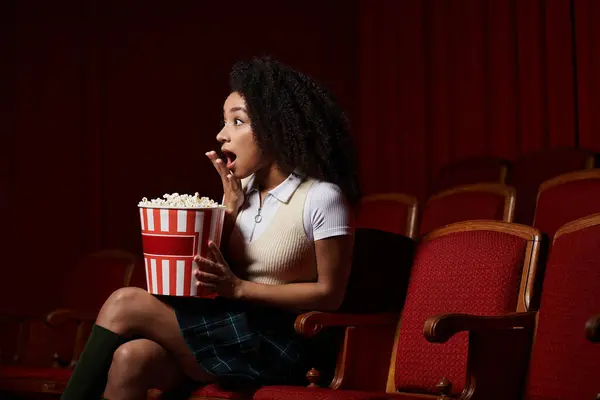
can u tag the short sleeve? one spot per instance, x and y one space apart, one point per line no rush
326 212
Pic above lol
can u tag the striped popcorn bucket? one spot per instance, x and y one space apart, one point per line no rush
171 238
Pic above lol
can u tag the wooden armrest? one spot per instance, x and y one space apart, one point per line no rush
488 362
62 315
311 323
84 321
592 329
440 328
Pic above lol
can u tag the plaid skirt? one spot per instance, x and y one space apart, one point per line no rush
239 342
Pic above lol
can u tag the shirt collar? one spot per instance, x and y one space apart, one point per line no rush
284 191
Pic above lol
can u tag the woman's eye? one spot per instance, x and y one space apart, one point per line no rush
237 122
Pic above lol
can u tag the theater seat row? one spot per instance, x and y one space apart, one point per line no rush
559 200
371 340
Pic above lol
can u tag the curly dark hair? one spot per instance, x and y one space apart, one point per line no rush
298 122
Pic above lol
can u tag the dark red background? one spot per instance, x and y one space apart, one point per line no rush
105 102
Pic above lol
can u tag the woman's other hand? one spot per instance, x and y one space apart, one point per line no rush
215 275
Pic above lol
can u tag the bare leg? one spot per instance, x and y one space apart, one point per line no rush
133 311
138 366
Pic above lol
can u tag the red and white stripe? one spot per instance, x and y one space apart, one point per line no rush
171 239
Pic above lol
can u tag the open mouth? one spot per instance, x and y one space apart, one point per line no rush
229 157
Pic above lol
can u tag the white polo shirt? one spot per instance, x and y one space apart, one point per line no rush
326 211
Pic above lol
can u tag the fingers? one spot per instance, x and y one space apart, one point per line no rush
210 273
218 164
208 278
236 184
212 155
206 285
221 168
209 266
216 253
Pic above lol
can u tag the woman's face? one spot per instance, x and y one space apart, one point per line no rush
237 139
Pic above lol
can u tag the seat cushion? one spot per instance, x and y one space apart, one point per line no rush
215 391
24 380
19 372
301 393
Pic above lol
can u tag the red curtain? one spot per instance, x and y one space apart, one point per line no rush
442 80
111 101
118 100
587 39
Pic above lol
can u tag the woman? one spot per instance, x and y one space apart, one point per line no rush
289 249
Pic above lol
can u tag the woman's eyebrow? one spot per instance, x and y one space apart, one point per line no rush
234 109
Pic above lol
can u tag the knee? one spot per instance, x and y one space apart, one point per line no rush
123 308
128 364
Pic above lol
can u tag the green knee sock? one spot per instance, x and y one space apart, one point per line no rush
88 380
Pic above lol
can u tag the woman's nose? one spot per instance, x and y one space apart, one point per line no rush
222 136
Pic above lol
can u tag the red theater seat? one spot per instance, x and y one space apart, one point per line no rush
391 212
51 343
461 274
470 171
492 201
531 170
566 198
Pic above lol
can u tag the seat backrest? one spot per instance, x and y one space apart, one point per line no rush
91 281
381 264
564 365
566 198
470 171
84 288
531 170
390 212
473 267
491 201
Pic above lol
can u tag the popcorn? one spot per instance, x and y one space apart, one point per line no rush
177 200
175 229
